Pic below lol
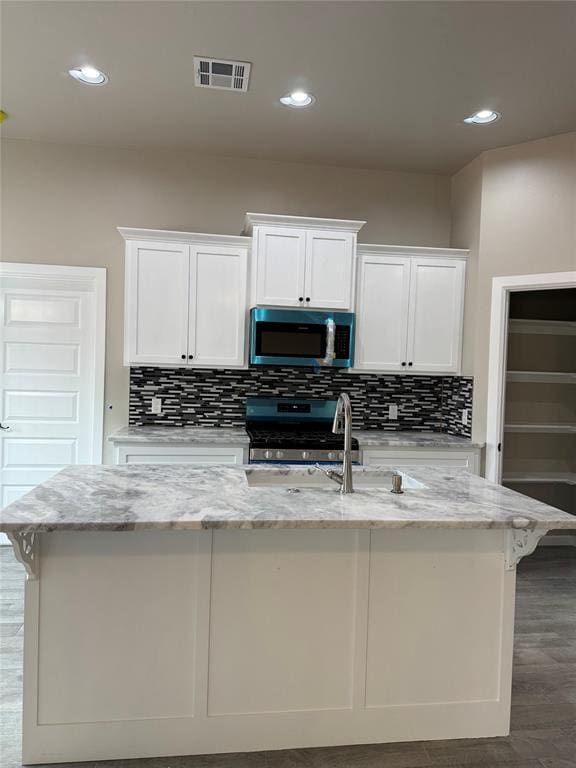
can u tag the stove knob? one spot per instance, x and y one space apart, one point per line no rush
279 454
331 455
305 455
268 454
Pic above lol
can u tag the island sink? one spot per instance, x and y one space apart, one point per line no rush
311 477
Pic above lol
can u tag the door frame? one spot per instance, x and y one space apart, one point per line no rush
95 281
502 287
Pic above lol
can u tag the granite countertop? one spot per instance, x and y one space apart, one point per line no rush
189 435
374 438
176 496
368 438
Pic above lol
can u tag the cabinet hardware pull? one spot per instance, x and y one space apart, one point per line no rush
6 428
301 298
410 363
403 363
190 357
308 298
183 357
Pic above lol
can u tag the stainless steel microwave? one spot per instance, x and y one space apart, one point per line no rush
301 337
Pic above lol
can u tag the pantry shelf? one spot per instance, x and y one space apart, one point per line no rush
550 377
558 429
543 327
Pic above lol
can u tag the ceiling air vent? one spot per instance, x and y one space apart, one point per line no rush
220 73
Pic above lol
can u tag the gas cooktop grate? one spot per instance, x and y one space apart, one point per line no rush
287 438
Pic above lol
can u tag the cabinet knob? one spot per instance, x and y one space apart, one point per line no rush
301 298
183 357
410 363
308 298
402 363
191 357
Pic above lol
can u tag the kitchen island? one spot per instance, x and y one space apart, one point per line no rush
174 609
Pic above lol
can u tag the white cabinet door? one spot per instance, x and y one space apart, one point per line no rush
156 304
280 266
435 324
217 313
422 457
128 453
382 312
329 273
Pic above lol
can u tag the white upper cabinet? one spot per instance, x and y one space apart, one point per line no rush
186 295
186 301
217 305
436 311
156 303
329 269
409 309
382 312
280 255
302 262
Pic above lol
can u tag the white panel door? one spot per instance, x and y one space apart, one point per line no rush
329 273
156 303
280 266
382 312
51 368
435 324
217 310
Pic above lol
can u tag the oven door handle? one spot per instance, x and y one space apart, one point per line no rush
328 358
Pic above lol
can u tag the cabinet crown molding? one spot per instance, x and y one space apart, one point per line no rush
299 222
193 238
413 250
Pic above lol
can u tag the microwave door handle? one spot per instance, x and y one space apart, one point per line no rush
330 340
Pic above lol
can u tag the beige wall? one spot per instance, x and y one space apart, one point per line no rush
61 204
466 209
515 208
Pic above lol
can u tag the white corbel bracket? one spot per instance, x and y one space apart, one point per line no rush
521 542
25 547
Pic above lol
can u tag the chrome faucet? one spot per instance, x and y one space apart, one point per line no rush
343 423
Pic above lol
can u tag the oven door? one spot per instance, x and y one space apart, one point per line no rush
285 337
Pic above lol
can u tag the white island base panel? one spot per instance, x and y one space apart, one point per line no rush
151 643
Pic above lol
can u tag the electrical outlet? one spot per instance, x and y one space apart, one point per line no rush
393 412
156 406
465 417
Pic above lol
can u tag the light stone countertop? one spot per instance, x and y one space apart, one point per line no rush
177 496
188 435
378 438
368 438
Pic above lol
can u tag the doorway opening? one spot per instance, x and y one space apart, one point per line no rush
531 440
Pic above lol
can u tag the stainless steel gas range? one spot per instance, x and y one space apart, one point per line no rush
294 431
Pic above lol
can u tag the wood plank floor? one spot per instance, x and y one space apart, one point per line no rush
544 689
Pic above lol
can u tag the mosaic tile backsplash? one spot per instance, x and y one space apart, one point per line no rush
216 398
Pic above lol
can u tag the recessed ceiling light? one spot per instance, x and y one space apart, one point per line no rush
298 99
88 75
483 117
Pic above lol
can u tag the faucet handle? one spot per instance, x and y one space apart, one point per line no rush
331 473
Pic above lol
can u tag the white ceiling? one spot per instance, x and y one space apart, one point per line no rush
393 80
